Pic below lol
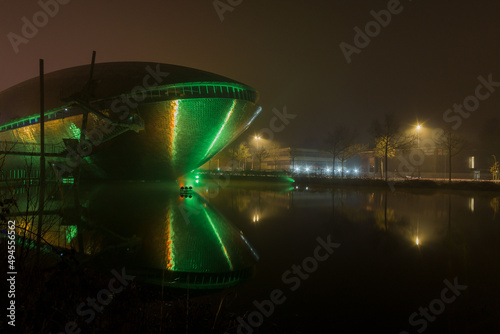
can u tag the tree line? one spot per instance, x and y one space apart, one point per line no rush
389 138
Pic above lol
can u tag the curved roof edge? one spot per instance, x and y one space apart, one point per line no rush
109 79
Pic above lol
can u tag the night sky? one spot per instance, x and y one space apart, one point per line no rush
426 59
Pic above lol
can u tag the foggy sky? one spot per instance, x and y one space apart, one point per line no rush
427 58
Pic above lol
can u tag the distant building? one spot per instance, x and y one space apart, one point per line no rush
428 162
297 160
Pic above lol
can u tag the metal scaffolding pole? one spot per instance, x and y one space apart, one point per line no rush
42 161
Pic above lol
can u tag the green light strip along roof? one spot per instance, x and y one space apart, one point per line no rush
110 79
186 90
33 118
181 90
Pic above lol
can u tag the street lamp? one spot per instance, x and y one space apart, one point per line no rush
257 138
419 127
418 135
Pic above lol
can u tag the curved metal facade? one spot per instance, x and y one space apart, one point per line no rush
178 124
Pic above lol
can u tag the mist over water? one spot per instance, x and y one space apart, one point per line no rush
396 251
285 259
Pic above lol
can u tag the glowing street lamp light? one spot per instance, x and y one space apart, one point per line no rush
419 127
257 138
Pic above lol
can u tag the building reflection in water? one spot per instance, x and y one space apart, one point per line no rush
471 204
420 219
258 205
160 235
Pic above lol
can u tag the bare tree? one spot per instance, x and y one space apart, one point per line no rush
274 153
381 151
260 154
20 202
349 152
452 143
243 154
494 169
337 141
232 154
388 138
293 155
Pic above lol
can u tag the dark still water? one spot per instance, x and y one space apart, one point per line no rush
273 259
401 261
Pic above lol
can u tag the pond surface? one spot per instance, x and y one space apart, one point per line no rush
285 259
404 261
